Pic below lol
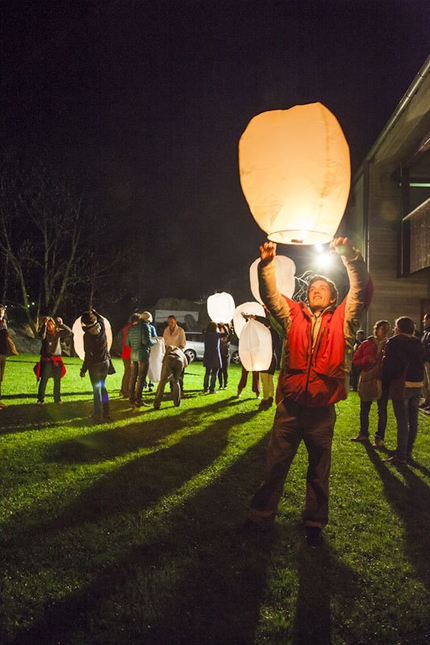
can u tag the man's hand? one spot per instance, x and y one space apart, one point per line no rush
342 246
59 320
267 252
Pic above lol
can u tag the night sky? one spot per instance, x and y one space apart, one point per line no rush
145 101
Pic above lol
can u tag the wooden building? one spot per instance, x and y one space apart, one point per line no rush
389 209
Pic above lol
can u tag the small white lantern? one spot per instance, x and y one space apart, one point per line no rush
156 360
285 280
239 321
255 347
295 173
78 336
221 307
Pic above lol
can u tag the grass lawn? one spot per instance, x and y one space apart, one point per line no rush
127 533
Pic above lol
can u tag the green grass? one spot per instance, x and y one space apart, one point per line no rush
126 533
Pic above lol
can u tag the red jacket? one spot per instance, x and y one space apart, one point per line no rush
366 357
126 351
319 376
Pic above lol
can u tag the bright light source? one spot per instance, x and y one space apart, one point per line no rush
324 260
319 248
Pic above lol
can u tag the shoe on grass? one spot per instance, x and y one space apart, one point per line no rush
395 461
364 438
379 443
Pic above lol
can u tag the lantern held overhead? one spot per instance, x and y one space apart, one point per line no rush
78 336
239 321
220 307
295 173
284 271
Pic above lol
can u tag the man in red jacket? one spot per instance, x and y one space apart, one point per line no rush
318 349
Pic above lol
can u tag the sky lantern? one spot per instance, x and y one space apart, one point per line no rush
156 360
285 280
295 173
221 307
239 321
255 346
78 336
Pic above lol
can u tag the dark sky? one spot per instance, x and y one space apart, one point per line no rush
146 101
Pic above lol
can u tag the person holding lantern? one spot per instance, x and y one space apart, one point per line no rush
318 348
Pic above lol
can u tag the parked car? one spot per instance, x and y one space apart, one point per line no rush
195 348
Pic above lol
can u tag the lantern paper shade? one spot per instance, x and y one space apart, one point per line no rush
285 280
295 173
239 321
156 360
78 336
255 347
221 307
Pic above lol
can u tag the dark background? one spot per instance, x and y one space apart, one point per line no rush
143 103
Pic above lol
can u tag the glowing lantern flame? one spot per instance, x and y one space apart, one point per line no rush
295 173
221 307
285 280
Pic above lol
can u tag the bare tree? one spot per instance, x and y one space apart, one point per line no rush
42 234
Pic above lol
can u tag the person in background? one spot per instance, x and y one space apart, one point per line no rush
51 364
360 336
403 374
267 376
147 317
97 362
140 340
174 363
243 381
212 356
5 347
368 360
173 334
318 346
224 348
425 341
125 355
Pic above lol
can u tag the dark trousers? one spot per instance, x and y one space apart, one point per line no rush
49 370
98 373
171 371
406 413
223 371
125 383
382 415
138 374
209 380
294 423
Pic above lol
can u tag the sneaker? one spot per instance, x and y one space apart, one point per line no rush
40 403
379 443
313 536
395 461
364 438
156 405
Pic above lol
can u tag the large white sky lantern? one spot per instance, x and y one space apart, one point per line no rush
239 321
285 280
78 336
221 307
255 347
295 173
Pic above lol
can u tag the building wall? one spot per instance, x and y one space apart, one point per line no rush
394 296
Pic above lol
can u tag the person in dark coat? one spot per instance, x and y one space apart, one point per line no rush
212 356
403 374
97 362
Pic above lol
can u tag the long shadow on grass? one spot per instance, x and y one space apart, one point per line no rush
410 499
190 580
